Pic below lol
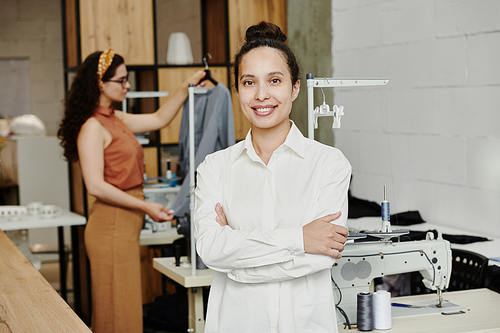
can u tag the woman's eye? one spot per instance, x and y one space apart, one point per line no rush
247 83
275 81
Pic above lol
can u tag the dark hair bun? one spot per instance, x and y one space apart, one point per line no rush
265 30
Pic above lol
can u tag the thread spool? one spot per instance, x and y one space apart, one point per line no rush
168 174
386 211
199 263
382 310
365 312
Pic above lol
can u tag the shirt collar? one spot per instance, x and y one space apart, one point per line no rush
105 111
242 146
294 140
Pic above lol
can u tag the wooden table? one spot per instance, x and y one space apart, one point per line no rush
182 275
28 303
482 316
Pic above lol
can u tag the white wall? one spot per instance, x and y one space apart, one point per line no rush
31 29
433 134
42 171
14 87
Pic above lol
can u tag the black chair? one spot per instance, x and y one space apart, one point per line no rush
468 270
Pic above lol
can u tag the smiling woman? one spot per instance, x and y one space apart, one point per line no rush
267 82
270 240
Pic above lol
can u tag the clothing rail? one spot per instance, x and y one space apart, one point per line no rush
192 90
332 83
142 94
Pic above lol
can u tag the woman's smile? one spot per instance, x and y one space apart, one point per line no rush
263 111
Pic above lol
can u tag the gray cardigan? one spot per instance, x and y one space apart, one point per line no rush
214 130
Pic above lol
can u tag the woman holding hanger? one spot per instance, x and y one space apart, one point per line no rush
102 140
280 206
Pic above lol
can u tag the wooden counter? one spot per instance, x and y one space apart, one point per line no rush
28 303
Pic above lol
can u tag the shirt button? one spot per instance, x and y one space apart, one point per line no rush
292 253
232 273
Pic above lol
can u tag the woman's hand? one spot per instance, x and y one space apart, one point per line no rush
148 122
158 212
323 237
195 79
221 217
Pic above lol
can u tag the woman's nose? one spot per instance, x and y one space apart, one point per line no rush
262 92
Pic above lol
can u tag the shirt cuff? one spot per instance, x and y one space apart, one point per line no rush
292 239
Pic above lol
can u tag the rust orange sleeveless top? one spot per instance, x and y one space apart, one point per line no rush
123 157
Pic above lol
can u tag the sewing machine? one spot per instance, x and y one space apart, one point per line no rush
361 262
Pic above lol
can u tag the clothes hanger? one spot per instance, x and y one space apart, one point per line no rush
208 75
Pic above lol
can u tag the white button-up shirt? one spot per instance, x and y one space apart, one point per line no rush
263 280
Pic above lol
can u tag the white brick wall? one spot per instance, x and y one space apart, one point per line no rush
32 29
461 17
433 134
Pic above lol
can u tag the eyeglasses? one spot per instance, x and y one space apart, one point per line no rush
123 81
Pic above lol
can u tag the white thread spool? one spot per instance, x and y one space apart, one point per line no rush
382 310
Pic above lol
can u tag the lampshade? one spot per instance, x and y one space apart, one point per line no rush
179 49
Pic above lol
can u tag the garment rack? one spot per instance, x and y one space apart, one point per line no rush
142 94
192 90
332 83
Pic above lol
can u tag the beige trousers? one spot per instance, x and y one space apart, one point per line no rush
112 244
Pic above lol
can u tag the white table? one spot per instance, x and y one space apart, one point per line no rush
34 221
160 237
482 316
182 275
67 218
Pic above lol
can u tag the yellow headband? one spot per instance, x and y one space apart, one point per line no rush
105 60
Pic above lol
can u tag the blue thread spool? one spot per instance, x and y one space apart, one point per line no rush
386 211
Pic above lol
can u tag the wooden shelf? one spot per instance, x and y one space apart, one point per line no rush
124 25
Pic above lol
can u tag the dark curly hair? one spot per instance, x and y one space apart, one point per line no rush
81 101
266 34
